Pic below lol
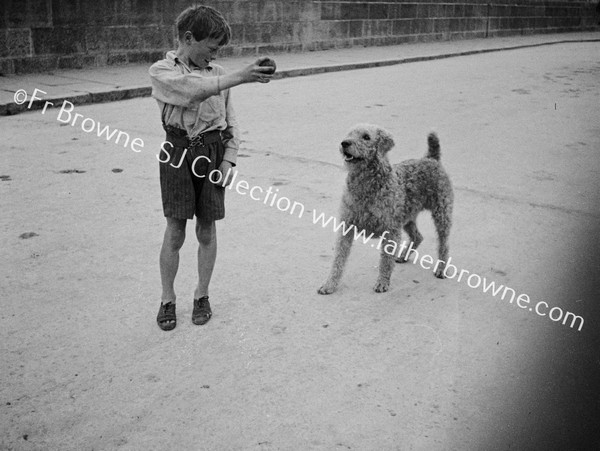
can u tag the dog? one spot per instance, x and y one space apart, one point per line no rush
382 199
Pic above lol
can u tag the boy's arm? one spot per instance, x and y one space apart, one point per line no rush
231 142
231 133
185 90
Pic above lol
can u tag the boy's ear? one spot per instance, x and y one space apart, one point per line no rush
187 37
386 141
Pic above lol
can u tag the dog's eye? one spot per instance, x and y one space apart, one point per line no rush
366 137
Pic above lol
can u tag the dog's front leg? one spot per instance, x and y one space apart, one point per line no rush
386 263
342 250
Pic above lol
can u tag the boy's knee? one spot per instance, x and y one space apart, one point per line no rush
205 232
175 235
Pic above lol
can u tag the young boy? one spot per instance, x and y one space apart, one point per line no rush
202 139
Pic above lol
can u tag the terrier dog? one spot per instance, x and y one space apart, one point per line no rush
382 199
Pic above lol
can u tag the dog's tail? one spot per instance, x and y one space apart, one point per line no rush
434 146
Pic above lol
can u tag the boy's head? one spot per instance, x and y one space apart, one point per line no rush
201 31
203 22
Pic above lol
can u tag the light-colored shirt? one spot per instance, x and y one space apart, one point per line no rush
190 99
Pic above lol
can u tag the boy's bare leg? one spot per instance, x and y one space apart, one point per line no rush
169 257
206 232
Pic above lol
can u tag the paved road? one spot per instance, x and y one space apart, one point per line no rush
429 365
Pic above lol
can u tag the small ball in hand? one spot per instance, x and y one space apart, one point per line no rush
269 63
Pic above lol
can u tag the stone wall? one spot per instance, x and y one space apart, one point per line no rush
43 35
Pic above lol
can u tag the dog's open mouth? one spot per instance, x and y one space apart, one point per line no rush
348 156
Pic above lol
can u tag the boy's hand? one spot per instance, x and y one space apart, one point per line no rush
225 169
256 72
249 74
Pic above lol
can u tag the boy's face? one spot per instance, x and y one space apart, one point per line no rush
200 53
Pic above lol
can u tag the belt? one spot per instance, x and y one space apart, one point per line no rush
179 138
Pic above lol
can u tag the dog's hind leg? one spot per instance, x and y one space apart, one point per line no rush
442 218
415 236
342 250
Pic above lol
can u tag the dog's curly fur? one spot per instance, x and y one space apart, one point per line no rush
383 199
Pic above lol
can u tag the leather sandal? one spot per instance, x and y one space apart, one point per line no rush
202 311
166 313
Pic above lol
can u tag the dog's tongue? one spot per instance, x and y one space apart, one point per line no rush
348 157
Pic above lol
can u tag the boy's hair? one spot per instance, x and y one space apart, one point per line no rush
204 22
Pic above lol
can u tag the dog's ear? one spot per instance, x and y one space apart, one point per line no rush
386 141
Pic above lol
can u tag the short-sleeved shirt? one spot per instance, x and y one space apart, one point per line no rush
189 98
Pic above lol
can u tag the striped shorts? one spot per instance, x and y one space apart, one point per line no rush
186 171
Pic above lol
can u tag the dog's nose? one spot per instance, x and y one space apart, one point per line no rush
346 144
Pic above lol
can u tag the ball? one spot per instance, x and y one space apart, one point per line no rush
269 63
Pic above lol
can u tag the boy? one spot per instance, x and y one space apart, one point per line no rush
202 139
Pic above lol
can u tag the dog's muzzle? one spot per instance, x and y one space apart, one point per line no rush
347 155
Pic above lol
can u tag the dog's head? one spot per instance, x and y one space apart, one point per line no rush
365 142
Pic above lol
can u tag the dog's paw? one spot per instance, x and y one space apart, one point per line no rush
439 273
381 286
327 288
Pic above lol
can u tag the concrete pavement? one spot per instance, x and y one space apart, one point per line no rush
429 365
111 83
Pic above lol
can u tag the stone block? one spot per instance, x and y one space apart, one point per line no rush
269 11
381 28
354 11
35 64
237 33
97 13
290 11
378 10
394 11
251 33
408 10
330 11
480 10
355 28
320 30
281 32
421 26
122 38
468 10
89 60
3 46
116 59
423 11
402 27
455 25
16 14
244 12
436 11
58 40
309 11
70 62
94 39
338 29
17 42
441 26
67 12
143 12
154 37
7 66
265 33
